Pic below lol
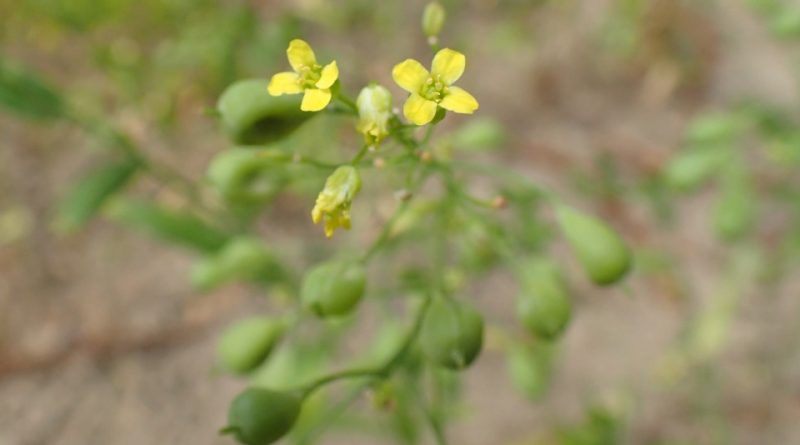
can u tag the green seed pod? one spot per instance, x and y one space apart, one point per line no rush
334 288
248 176
543 306
242 258
433 19
691 168
247 344
599 249
451 334
530 369
250 115
259 416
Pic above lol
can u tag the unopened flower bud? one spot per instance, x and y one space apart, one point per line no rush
433 19
374 110
334 201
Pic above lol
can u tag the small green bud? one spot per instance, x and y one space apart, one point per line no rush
451 334
433 19
543 305
250 115
247 344
259 416
599 249
334 288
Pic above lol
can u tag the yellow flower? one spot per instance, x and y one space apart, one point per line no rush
308 76
432 90
333 202
374 111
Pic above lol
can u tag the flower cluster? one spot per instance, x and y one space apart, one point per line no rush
430 92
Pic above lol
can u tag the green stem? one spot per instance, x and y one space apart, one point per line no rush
347 102
360 155
380 372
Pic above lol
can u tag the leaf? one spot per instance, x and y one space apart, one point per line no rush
23 93
89 194
177 227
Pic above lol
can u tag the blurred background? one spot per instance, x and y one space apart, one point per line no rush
103 340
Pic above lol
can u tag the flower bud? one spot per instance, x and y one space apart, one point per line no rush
334 288
250 115
259 416
599 249
433 19
451 334
374 110
334 201
543 306
247 344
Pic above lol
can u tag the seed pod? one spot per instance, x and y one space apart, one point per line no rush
334 288
433 17
242 258
691 168
250 115
451 334
247 344
530 368
543 305
259 416
248 176
599 249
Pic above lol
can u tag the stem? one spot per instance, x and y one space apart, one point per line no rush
360 155
379 372
347 102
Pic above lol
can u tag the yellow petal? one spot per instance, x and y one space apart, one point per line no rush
300 54
284 83
419 110
460 101
410 75
315 100
449 64
329 75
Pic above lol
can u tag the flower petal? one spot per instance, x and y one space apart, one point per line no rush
329 75
449 64
284 83
410 75
315 100
419 110
460 101
300 54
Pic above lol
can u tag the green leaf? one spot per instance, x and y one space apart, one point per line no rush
180 228
23 93
92 191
